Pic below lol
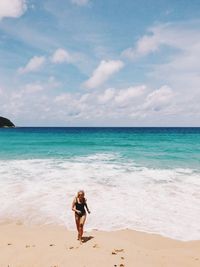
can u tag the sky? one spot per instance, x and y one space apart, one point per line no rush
100 62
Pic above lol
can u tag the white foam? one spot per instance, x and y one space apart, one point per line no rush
120 194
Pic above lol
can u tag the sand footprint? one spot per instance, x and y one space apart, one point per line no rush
116 251
119 250
28 246
73 248
95 246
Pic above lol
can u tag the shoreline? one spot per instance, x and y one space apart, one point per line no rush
55 246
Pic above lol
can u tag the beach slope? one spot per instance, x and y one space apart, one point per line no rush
54 246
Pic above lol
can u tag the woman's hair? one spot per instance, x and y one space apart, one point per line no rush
80 191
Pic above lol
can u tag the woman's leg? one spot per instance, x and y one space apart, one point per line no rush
77 220
81 225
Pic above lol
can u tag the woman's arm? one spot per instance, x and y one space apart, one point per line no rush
74 206
87 206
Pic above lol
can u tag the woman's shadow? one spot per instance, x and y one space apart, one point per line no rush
86 238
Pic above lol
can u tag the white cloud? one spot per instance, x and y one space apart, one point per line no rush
12 8
80 2
145 45
160 98
142 106
103 72
126 95
120 97
165 34
107 95
179 36
38 87
77 59
60 56
174 103
34 64
63 98
33 88
178 66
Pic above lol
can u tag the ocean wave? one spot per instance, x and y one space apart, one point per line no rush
121 194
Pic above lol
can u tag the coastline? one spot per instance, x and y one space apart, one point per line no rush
55 246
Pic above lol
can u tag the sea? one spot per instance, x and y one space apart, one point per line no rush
146 179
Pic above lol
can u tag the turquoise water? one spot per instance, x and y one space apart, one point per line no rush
140 178
151 147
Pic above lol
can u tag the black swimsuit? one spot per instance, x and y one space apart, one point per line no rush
80 207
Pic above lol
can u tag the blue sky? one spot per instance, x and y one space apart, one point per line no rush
100 63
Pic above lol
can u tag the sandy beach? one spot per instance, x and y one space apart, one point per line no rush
54 246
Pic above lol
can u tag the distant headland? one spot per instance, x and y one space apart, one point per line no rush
6 123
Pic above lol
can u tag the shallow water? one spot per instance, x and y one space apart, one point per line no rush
140 178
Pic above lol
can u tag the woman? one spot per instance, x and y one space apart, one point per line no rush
78 206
